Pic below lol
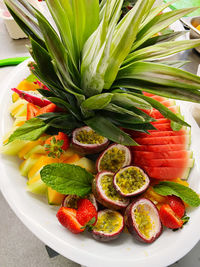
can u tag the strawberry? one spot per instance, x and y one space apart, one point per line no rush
32 110
86 213
56 145
177 205
169 218
49 108
67 217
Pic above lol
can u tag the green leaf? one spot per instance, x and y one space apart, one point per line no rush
107 129
67 179
185 193
31 130
176 126
97 102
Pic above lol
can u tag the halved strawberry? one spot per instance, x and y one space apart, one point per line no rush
57 144
86 213
169 218
177 205
49 108
32 110
67 217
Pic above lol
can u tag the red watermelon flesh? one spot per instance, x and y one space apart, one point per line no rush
135 134
148 155
147 94
162 127
154 113
163 140
159 121
181 163
166 173
160 148
158 98
168 103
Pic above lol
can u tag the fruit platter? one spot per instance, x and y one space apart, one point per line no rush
98 153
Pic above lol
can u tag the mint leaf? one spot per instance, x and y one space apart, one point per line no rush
67 179
188 195
31 130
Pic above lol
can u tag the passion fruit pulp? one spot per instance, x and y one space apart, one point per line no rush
143 221
87 141
109 225
114 158
105 192
131 181
70 201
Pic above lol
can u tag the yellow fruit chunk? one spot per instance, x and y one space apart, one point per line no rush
86 163
67 154
154 197
13 147
54 198
179 181
28 147
198 27
27 86
15 97
37 186
71 159
27 164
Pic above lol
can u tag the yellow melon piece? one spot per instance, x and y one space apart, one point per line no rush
27 86
27 164
15 107
13 147
71 159
36 186
28 147
67 154
54 197
19 121
86 163
15 97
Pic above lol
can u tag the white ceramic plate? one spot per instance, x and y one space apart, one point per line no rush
40 218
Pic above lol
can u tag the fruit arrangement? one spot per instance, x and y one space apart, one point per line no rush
127 187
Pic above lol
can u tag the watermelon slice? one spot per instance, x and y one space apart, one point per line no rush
157 115
148 155
164 140
167 173
160 148
159 98
181 163
136 134
147 94
161 121
168 103
162 127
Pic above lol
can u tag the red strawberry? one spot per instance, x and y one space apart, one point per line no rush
177 205
169 218
67 217
49 108
86 213
32 110
57 144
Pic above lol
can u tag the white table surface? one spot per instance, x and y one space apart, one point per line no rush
18 246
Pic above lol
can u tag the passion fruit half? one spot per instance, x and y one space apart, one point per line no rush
87 141
143 221
131 181
70 201
114 158
105 192
109 225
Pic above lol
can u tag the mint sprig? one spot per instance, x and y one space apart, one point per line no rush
188 195
67 179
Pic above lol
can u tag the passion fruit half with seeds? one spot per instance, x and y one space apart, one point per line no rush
87 141
143 221
105 192
131 181
70 201
109 225
114 158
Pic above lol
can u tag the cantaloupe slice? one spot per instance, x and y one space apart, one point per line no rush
37 186
29 147
54 197
38 149
86 163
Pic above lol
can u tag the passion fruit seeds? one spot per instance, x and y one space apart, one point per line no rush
109 225
131 181
106 194
143 221
114 158
89 137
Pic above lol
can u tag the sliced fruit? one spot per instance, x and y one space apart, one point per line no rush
105 192
29 146
67 217
154 197
36 186
160 121
71 201
148 155
56 145
54 197
131 181
15 107
160 148
27 86
169 218
153 134
86 212
21 112
28 164
114 158
38 149
177 205
168 103
181 163
33 97
73 159
164 140
13 147
162 127
86 163
15 97
19 121
142 220
32 110
157 115
49 108
158 98
109 225
87 141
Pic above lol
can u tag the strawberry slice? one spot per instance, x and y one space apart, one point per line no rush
169 218
32 110
67 217
49 108
56 145
177 205
86 213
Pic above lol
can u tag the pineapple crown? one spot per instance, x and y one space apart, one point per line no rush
96 63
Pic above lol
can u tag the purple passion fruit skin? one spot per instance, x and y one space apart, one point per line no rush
131 181
143 221
71 201
105 193
87 141
114 158
109 225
